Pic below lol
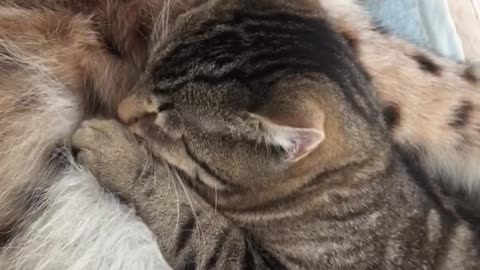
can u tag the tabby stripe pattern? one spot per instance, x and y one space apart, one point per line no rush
255 49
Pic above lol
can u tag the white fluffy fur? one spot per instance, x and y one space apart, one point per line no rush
76 225
79 226
83 227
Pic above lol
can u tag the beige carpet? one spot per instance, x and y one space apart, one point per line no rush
466 16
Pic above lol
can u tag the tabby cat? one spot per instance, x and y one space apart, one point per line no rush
62 61
256 142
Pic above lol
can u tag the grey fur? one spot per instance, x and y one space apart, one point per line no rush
211 181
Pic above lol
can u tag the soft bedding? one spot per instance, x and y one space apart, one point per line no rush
427 23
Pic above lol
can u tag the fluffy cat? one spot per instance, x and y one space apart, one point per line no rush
438 120
262 146
55 70
62 61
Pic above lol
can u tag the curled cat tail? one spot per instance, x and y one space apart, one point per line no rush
472 72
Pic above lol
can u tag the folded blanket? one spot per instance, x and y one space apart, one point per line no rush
426 23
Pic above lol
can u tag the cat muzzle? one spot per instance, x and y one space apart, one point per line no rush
133 108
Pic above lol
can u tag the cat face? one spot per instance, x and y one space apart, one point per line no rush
247 98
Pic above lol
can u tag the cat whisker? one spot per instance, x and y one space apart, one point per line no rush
216 199
194 212
140 176
177 201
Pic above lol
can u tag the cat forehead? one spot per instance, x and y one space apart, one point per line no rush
235 59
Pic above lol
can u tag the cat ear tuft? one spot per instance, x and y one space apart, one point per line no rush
297 143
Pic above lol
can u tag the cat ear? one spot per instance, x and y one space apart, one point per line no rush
296 143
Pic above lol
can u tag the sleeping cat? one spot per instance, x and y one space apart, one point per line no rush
74 59
255 141
62 61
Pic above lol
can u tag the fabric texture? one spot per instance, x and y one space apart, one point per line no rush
427 23
466 16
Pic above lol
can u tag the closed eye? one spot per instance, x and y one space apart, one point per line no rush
165 107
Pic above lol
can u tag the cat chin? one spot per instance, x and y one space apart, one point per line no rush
80 226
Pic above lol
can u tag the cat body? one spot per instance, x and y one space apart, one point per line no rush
55 70
440 125
58 63
262 146
390 223
71 60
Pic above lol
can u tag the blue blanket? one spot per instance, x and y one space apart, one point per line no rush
426 23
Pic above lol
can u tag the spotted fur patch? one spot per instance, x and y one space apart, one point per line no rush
470 76
427 64
391 115
461 115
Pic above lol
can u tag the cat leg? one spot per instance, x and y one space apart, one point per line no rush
191 233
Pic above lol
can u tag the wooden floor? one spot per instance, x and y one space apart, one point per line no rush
466 15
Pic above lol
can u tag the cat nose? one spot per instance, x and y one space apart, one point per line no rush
133 108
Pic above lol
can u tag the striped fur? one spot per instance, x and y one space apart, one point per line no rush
80 226
212 178
62 93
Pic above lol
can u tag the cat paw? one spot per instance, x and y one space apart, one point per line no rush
107 149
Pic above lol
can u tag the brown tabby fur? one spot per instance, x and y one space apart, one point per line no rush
233 170
63 60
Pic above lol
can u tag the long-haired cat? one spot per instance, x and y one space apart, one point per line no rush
262 146
51 62
63 60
